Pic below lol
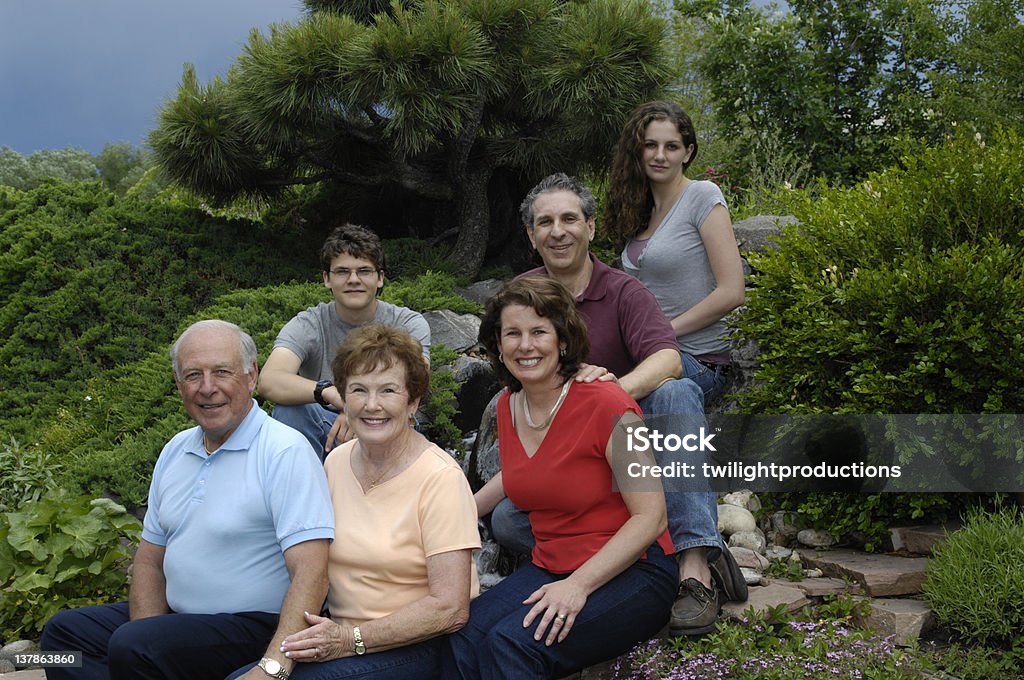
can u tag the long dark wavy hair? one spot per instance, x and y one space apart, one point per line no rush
628 201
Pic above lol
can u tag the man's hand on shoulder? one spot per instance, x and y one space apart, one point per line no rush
590 373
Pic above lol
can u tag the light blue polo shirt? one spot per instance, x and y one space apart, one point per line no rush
226 518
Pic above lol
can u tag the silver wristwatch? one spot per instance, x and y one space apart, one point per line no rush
273 668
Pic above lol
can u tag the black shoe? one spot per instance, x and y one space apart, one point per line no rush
728 578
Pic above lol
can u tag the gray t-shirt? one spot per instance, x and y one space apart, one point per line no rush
674 265
313 335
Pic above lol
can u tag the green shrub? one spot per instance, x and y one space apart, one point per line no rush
428 292
24 474
60 552
441 407
900 295
407 258
90 282
975 579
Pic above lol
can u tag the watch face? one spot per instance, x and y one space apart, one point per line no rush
272 666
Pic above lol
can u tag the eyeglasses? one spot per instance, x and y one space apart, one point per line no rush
363 272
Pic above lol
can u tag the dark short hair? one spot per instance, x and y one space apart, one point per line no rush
353 240
558 182
549 299
378 346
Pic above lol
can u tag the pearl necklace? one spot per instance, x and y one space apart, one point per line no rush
551 413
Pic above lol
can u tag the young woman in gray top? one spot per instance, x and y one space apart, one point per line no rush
676 236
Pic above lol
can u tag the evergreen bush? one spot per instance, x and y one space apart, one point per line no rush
975 579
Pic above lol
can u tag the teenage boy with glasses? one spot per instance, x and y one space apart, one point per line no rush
297 374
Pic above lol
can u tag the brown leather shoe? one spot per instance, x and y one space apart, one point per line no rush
695 610
728 577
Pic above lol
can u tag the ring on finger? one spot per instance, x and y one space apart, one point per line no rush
560 617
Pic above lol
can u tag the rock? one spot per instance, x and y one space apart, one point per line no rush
815 538
477 384
455 331
733 519
785 522
919 540
878 575
751 576
754 540
757 233
813 573
744 498
481 291
6 666
745 557
483 461
778 552
905 620
819 587
18 647
768 597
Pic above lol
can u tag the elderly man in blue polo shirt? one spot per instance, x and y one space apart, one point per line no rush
234 543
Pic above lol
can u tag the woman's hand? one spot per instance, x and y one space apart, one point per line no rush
557 604
324 640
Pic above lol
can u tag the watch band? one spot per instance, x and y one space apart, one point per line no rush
273 668
357 638
318 392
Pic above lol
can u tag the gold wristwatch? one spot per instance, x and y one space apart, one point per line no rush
273 668
357 638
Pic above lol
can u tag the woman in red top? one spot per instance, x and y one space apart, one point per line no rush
600 580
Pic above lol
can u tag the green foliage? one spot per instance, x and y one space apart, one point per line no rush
59 552
90 282
410 257
419 108
868 516
24 474
970 662
975 579
428 292
440 407
27 172
858 76
900 295
776 646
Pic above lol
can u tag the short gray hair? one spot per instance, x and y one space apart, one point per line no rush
558 182
246 345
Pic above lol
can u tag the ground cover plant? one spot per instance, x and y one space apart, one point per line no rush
773 646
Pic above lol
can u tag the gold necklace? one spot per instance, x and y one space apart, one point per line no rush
551 413
381 476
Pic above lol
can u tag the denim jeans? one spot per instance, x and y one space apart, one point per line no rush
494 645
710 380
692 514
312 420
167 647
420 661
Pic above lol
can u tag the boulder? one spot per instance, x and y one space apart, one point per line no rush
477 384
757 233
481 291
752 540
815 538
733 519
743 498
455 331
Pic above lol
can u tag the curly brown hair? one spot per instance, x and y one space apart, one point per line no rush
549 299
628 201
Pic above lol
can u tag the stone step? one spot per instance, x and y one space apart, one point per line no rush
920 540
905 619
879 575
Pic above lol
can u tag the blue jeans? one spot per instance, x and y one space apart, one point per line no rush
420 661
494 645
692 515
710 380
312 420
171 646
